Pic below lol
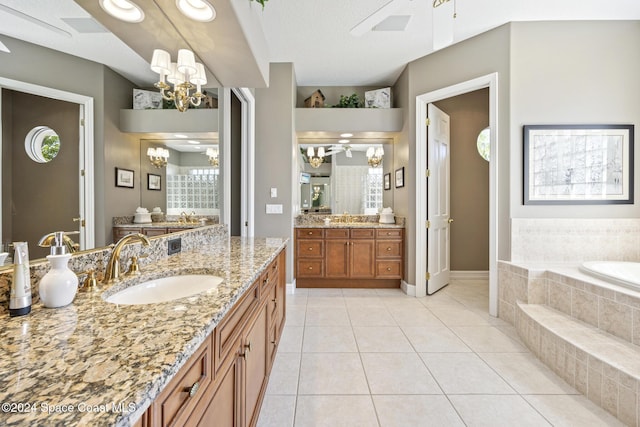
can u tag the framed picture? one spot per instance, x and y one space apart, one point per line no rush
124 178
387 181
578 164
154 182
400 177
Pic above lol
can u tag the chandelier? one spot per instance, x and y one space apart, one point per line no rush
315 161
158 156
374 156
213 157
185 75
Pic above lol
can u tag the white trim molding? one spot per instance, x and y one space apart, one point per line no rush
469 275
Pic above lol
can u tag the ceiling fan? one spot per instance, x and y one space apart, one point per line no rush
387 11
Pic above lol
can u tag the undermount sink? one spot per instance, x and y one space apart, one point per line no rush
165 289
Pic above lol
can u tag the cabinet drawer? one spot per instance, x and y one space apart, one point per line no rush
337 233
389 269
362 233
176 402
231 325
150 232
389 233
309 233
388 249
310 268
310 249
269 277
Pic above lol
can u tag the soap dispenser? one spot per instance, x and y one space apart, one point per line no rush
59 286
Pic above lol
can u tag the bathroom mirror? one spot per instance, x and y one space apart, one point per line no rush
338 178
189 182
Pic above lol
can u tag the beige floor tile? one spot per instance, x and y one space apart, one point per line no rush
297 299
370 316
327 316
569 411
485 339
332 373
329 339
297 291
291 340
464 373
434 339
335 411
526 374
416 411
457 316
375 339
295 315
496 411
364 301
439 299
324 292
283 379
277 411
414 316
325 301
398 373
392 293
358 292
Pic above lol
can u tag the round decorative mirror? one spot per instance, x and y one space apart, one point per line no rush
484 143
42 144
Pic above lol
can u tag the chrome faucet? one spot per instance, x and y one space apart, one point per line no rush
112 272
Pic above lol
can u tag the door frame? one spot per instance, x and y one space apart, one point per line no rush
248 113
487 81
86 154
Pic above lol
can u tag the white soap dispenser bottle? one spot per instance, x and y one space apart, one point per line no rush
59 286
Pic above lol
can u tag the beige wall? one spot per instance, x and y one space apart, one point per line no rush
275 153
472 58
573 73
469 115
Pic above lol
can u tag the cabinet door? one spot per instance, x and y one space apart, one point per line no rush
337 258
222 409
363 254
254 353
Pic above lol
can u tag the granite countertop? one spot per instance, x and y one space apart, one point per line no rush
99 364
349 225
172 224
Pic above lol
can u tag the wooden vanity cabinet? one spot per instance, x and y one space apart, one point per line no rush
349 257
232 365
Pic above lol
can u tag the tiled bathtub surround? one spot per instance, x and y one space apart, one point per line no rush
575 239
585 329
98 258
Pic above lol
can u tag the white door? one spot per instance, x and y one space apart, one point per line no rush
438 187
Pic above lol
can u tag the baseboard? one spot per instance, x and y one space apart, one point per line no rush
408 289
291 287
469 275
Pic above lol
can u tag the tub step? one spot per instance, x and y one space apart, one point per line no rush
599 365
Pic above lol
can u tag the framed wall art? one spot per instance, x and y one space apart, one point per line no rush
400 177
387 181
578 164
124 178
154 182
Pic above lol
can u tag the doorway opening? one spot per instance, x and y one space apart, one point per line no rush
84 219
491 82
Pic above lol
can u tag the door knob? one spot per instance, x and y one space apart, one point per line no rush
80 220
450 220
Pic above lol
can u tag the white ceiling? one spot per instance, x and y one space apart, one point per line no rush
314 35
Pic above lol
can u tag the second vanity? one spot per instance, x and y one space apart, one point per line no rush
200 360
357 255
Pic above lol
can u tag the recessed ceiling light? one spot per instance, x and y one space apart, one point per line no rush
179 135
124 10
191 141
346 135
198 10
343 141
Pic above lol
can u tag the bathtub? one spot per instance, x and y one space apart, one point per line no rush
626 274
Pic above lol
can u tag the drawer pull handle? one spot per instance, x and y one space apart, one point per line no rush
248 346
274 342
389 249
310 248
194 389
310 268
388 268
275 302
264 282
310 233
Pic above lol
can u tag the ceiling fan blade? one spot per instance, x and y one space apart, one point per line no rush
376 17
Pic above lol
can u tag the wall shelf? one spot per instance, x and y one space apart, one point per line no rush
384 121
202 120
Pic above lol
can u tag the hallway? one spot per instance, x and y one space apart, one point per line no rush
357 357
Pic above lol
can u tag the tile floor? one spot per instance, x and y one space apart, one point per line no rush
367 357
